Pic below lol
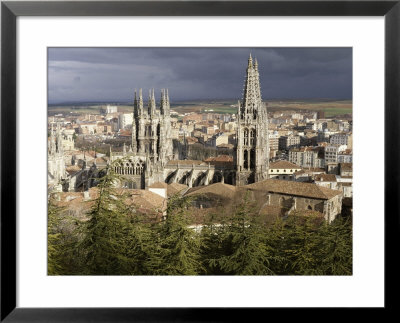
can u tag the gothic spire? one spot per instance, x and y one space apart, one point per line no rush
135 106
152 103
133 137
162 101
140 103
59 139
167 102
52 141
164 107
252 95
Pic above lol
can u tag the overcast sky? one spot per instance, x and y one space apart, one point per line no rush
112 74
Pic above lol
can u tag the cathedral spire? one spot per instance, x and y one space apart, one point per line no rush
251 105
59 139
164 104
250 62
162 101
52 143
167 102
135 106
140 103
252 147
152 103
134 135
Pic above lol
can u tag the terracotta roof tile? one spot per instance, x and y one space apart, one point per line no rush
325 178
175 188
283 164
225 191
294 188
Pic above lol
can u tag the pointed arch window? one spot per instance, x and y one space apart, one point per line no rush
252 137
246 136
246 159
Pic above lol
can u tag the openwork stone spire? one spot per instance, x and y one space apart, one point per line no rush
252 103
152 103
252 156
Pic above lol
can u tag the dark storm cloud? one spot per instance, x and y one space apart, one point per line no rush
111 74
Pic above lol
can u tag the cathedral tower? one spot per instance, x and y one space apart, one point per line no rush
251 154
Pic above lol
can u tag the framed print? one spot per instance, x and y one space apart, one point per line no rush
172 186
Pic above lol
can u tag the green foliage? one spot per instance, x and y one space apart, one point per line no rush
109 232
53 240
336 249
62 257
178 245
243 249
115 239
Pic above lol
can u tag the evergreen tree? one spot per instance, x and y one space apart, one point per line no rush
177 246
246 250
336 250
54 247
63 257
302 244
140 245
213 244
106 232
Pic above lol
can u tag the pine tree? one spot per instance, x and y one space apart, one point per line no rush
213 245
177 245
54 247
140 245
303 242
336 248
106 232
62 237
246 250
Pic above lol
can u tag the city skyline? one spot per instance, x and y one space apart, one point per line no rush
112 74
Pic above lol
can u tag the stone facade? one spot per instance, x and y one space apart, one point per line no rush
148 159
251 153
56 173
151 148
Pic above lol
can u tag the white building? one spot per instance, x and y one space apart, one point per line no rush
111 109
341 139
306 157
283 170
125 120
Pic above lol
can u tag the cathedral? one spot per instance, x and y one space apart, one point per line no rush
251 153
55 160
143 163
149 158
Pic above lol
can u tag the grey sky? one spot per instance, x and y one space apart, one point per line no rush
112 74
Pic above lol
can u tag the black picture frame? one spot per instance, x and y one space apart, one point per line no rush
10 10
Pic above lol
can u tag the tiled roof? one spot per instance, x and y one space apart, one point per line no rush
175 188
185 162
144 200
294 188
325 178
73 169
283 164
346 166
219 189
159 185
147 200
219 158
